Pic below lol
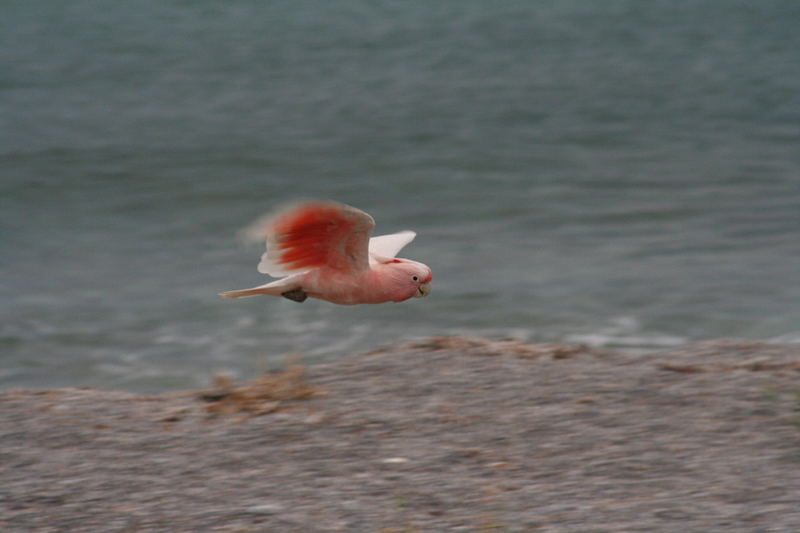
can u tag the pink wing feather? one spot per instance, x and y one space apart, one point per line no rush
317 234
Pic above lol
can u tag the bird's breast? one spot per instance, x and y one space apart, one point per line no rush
344 288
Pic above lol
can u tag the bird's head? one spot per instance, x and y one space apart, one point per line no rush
407 279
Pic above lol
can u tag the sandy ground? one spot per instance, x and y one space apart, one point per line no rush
444 434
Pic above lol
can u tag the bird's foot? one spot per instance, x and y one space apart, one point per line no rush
296 295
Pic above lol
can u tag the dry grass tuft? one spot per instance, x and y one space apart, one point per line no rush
266 394
751 366
512 347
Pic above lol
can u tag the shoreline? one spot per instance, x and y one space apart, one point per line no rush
446 433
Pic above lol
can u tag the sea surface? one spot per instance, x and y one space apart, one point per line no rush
622 174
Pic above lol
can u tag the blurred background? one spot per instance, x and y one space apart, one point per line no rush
622 174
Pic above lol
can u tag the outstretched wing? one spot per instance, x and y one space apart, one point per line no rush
387 247
316 234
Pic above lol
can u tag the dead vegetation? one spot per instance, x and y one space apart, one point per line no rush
723 356
268 393
497 347
751 366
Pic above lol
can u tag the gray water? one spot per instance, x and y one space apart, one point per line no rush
622 174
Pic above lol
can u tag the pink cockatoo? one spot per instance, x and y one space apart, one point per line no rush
324 250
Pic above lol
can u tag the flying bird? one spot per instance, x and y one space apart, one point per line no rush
324 250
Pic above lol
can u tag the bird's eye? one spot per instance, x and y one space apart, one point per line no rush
415 278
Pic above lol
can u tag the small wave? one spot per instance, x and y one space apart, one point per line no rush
626 332
638 341
786 338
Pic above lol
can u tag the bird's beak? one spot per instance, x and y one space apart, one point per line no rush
423 290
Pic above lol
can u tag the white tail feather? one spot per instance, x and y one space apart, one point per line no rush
276 288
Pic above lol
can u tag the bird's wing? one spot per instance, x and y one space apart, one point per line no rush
316 234
387 247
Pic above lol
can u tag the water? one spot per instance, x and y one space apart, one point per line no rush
623 174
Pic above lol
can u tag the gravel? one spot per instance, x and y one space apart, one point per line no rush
442 434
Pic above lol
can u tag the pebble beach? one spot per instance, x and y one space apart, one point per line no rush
439 434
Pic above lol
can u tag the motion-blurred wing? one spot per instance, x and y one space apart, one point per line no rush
316 234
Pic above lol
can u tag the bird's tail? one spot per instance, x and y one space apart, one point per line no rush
276 288
241 293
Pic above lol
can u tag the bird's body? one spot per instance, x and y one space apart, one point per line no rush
323 250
